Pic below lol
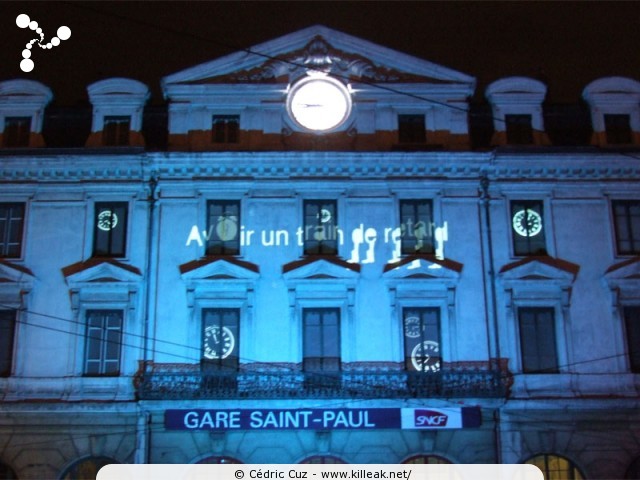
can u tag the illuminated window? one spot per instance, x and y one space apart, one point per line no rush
527 227
116 130
223 227
6 472
225 129
7 330
321 346
320 227
217 460
411 129
632 324
416 226
11 226
110 229
421 328
427 460
17 131
555 467
617 129
538 339
323 459
633 472
626 217
519 130
103 342
87 468
220 338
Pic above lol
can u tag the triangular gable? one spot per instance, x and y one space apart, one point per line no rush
627 270
216 268
320 268
377 63
11 273
417 268
99 270
540 269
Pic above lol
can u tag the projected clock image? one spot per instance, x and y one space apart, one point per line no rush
527 223
319 103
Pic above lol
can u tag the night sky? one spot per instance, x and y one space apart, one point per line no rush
565 44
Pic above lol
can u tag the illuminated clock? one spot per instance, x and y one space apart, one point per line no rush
319 103
218 342
107 220
412 327
425 356
527 223
227 227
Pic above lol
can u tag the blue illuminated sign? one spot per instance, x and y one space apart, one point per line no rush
323 419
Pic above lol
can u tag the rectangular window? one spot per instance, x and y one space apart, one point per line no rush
116 130
421 328
221 339
626 217
411 129
7 331
527 228
538 340
103 342
519 129
17 131
321 340
320 227
617 129
11 229
416 226
110 229
223 227
225 129
632 325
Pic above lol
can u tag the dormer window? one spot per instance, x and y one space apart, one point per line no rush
17 131
411 129
116 130
617 128
519 129
225 129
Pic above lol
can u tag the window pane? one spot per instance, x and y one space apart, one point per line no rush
527 222
320 227
103 342
321 342
223 227
17 131
110 229
220 337
519 129
225 128
626 217
116 130
7 332
555 467
11 229
617 128
632 324
538 340
416 226
421 327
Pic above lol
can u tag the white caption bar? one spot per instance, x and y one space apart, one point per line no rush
320 472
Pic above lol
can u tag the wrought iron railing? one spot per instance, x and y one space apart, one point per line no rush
196 384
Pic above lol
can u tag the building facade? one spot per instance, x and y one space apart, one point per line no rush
321 266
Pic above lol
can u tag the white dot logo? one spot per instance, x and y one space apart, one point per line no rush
23 21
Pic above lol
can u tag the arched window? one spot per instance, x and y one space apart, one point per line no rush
427 460
634 469
324 459
6 472
86 468
218 460
555 467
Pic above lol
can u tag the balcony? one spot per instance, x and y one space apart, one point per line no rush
160 382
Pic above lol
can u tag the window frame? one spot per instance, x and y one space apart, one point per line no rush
334 251
5 245
234 250
411 134
516 132
416 202
103 345
220 364
511 211
11 352
537 310
110 205
21 139
322 359
229 136
421 311
613 134
631 365
614 222
116 136
546 456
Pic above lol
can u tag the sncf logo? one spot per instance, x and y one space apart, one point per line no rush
430 418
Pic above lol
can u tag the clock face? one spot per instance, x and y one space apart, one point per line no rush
412 327
218 342
319 103
425 356
527 223
107 220
227 227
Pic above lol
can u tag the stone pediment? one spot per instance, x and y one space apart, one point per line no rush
219 268
624 277
545 269
14 274
320 48
101 270
320 268
427 268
